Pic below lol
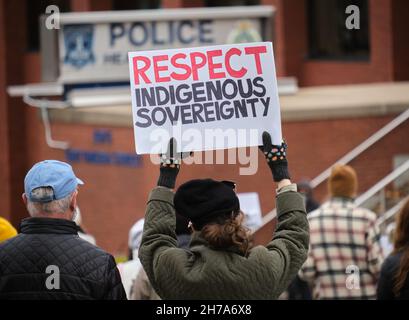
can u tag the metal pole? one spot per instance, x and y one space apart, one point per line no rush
44 105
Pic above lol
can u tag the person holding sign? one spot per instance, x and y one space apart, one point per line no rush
220 263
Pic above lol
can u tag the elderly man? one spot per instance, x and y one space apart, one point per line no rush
48 260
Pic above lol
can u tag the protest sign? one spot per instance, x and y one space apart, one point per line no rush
250 206
207 98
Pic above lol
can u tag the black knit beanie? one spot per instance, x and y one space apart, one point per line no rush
205 201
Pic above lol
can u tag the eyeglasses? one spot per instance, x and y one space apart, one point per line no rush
231 184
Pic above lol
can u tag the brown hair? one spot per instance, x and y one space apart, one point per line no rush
228 233
401 245
343 181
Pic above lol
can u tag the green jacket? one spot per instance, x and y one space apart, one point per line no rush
204 273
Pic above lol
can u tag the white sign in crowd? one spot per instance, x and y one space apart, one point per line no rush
187 93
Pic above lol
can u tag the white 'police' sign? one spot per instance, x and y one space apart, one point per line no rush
94 47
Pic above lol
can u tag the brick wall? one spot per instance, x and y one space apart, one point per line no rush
114 197
387 22
401 44
4 127
12 126
331 140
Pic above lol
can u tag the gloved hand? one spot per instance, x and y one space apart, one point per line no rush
170 165
276 157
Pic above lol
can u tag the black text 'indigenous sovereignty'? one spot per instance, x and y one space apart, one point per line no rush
206 88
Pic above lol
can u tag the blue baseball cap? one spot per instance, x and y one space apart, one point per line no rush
55 174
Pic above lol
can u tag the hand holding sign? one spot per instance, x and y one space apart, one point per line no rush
201 96
170 165
276 156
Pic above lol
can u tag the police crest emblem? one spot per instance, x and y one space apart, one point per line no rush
78 42
244 31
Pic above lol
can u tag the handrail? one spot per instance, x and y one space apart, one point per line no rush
268 217
392 211
382 183
362 147
375 189
349 156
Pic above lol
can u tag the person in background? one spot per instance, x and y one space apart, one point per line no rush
141 287
394 280
304 187
7 231
343 236
386 239
299 289
219 263
130 269
81 230
49 248
135 238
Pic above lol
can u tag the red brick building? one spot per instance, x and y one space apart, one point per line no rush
320 124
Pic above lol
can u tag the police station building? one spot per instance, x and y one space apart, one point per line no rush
343 87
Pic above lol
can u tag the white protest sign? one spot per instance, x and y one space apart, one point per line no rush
250 206
207 98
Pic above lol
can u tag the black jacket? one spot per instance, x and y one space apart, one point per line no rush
386 280
86 271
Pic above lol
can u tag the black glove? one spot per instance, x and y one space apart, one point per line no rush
170 165
276 157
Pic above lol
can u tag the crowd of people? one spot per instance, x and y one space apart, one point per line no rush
193 242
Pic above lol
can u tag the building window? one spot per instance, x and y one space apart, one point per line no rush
34 10
135 4
328 36
226 3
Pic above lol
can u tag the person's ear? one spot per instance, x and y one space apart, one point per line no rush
24 197
73 203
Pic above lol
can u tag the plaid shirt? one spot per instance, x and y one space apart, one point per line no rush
343 235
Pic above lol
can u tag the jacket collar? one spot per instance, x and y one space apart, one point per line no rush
48 225
339 203
197 240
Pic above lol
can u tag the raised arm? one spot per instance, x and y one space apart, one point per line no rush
288 248
159 236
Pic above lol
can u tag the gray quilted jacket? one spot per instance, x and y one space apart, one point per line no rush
85 271
205 273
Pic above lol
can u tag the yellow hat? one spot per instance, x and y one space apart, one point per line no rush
7 231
